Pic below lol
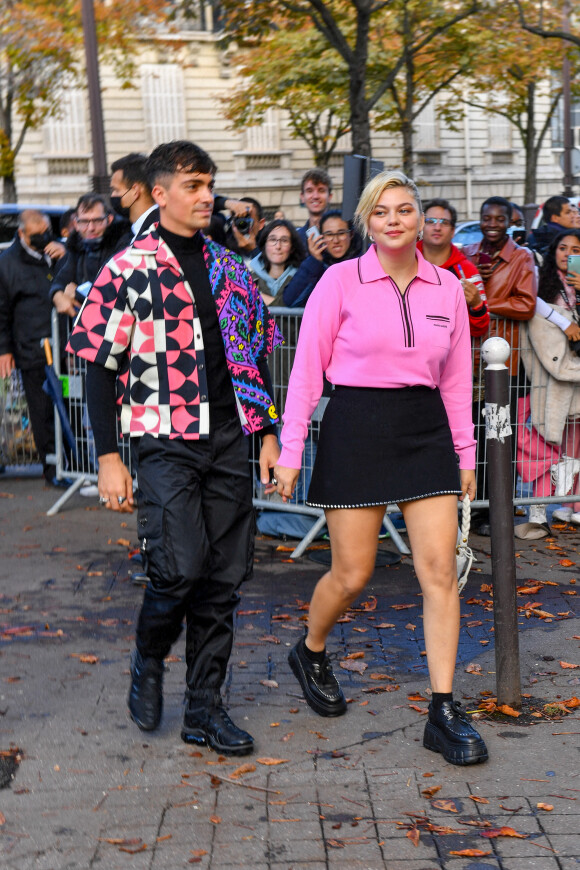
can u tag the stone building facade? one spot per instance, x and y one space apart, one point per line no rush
175 94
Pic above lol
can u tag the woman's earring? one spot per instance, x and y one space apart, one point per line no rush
371 238
420 236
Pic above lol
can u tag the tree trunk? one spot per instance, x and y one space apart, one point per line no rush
408 154
530 145
9 189
359 110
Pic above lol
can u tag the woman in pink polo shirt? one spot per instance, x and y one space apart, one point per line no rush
390 331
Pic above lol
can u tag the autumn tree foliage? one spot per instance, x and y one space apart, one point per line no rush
518 78
337 60
41 52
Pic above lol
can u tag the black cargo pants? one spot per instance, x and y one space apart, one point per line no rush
196 527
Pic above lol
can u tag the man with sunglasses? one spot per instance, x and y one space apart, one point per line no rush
437 248
94 240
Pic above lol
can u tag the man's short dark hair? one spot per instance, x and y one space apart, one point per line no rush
90 200
132 167
444 204
177 156
257 205
553 206
317 176
498 200
66 220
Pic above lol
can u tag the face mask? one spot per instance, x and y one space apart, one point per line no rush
92 244
121 210
39 241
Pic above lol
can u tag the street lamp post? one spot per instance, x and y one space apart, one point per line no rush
100 174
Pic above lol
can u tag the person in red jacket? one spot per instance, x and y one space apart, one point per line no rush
437 248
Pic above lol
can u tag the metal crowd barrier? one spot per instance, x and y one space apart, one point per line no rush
534 472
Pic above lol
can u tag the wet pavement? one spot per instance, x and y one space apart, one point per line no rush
90 790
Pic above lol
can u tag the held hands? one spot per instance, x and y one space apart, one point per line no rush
286 478
268 458
467 476
115 484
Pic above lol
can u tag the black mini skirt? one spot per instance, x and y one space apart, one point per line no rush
383 446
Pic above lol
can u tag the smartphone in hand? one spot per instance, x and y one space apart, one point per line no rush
312 233
574 264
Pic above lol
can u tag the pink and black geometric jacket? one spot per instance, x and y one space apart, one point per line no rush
140 320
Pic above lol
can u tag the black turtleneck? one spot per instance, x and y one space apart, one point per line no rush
188 251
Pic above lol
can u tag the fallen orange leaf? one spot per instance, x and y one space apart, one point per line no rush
356 655
429 792
547 807
568 665
413 836
245 768
478 800
447 805
470 853
502 832
566 563
270 761
508 711
215 819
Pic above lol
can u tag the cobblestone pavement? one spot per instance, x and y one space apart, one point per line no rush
91 791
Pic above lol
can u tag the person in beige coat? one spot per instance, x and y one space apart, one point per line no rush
553 369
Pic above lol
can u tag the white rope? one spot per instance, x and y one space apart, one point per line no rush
464 553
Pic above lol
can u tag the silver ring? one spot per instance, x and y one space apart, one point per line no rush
103 500
121 499
274 481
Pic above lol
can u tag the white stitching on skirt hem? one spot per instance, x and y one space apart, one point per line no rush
390 501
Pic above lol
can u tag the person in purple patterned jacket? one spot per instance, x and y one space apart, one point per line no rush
176 322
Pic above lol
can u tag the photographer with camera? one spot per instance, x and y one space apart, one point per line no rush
550 348
244 226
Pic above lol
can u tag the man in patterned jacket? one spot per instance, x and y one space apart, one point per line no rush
176 322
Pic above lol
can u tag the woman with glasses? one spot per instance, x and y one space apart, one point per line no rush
391 333
338 241
281 253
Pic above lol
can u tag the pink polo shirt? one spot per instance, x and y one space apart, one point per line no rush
361 331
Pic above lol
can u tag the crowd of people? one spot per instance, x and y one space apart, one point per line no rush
171 287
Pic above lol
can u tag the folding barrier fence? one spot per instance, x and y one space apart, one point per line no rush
543 470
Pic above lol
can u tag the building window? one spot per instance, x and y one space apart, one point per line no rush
66 134
558 124
427 129
499 132
163 103
265 138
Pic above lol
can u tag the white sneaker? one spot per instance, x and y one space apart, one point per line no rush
538 514
575 519
89 490
563 474
563 514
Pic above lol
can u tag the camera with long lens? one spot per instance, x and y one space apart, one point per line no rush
243 224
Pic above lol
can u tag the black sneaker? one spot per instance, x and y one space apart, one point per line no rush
321 689
213 726
449 732
146 692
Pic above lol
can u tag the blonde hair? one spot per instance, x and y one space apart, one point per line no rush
374 190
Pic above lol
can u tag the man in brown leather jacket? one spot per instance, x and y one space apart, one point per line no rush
508 272
511 286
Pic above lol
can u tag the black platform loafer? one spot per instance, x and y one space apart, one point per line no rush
450 732
213 727
146 692
321 688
